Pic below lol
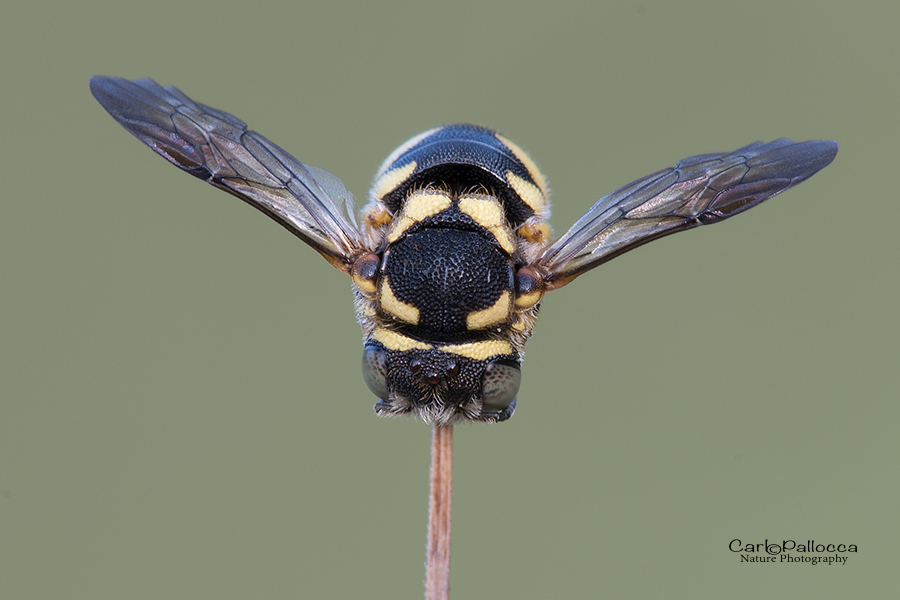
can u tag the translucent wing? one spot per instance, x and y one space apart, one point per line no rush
217 147
697 191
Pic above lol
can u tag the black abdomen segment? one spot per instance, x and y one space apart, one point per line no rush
461 158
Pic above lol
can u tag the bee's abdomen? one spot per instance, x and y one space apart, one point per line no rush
460 158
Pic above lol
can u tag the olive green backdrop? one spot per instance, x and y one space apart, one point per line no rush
181 408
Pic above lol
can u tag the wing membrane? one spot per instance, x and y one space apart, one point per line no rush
217 147
699 190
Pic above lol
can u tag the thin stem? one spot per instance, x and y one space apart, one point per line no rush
437 564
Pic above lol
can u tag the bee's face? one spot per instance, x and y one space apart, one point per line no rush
441 385
454 253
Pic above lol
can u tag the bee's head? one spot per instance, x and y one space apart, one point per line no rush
444 384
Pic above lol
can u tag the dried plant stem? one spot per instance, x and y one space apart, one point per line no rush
437 564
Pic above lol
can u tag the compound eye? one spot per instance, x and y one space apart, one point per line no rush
374 368
500 385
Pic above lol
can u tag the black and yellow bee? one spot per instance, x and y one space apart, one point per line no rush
453 254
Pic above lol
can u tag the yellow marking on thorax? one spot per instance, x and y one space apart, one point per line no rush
528 192
488 213
537 231
479 350
390 180
377 215
397 341
520 324
364 273
418 207
366 286
390 304
492 315
530 299
485 211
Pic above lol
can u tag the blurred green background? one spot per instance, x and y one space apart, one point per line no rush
181 408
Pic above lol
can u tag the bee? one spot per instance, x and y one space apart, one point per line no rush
453 254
